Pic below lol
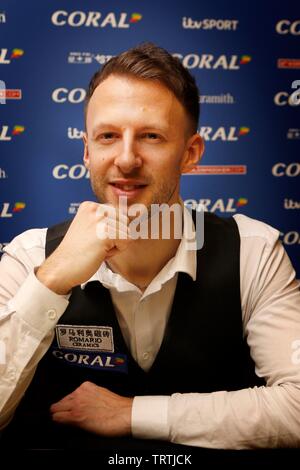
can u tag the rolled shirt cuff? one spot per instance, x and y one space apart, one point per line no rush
150 417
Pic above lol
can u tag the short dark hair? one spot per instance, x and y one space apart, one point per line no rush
150 62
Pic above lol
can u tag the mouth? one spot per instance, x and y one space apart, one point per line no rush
127 188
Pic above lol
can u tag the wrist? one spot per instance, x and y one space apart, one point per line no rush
52 280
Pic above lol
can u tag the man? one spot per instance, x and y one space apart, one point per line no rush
140 339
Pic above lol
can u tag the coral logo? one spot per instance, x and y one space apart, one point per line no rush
229 205
74 172
282 169
4 132
242 201
288 27
291 238
94 19
15 54
18 130
283 98
245 59
19 206
118 360
5 211
244 130
231 134
135 17
74 96
208 61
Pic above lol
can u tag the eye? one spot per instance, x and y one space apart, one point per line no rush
107 137
151 136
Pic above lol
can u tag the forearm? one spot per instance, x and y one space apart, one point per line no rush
264 417
27 324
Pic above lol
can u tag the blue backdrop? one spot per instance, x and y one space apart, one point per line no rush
245 57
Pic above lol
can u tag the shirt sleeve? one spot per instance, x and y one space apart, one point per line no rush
259 417
29 312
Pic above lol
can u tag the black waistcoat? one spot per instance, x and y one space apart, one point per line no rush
203 349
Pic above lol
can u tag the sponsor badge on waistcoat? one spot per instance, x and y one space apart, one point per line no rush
86 338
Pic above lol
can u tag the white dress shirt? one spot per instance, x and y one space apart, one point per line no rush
267 416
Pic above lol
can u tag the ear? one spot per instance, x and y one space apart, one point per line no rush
193 153
86 159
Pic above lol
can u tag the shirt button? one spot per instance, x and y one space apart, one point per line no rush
145 356
51 314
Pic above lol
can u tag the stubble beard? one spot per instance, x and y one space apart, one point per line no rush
162 194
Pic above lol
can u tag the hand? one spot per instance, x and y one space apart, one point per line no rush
97 232
96 410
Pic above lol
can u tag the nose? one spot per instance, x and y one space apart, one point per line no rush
127 159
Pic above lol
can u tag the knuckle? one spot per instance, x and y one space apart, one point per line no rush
85 385
88 206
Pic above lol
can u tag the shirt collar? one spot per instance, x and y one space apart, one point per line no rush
185 260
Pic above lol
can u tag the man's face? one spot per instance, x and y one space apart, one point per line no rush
137 142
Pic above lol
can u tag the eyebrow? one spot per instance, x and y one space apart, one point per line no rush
107 125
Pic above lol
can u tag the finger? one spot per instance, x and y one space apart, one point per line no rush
63 417
105 210
63 405
114 230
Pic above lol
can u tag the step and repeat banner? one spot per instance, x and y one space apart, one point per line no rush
245 58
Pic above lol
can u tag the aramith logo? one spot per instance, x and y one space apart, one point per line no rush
6 210
209 61
231 134
3 174
229 205
6 135
223 98
5 57
94 19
